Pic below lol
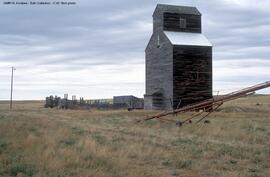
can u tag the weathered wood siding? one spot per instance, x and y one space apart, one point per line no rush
159 69
192 74
127 102
175 72
172 22
157 23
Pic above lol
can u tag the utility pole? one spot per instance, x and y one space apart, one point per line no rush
11 87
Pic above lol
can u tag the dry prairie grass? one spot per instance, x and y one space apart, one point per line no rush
35 141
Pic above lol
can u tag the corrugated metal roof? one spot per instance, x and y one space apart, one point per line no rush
177 9
192 39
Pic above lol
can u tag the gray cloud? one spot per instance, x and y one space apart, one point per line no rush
96 48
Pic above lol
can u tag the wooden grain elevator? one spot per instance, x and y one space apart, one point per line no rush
178 59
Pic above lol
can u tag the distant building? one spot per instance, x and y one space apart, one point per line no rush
128 102
178 59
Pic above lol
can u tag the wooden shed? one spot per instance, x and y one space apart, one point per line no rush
128 101
178 59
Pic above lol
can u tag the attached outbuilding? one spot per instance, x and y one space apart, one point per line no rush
178 59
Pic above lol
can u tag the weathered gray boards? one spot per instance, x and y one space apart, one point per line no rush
128 101
178 59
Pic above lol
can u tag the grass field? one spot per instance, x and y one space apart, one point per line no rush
37 142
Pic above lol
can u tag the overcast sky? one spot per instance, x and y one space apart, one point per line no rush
95 49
